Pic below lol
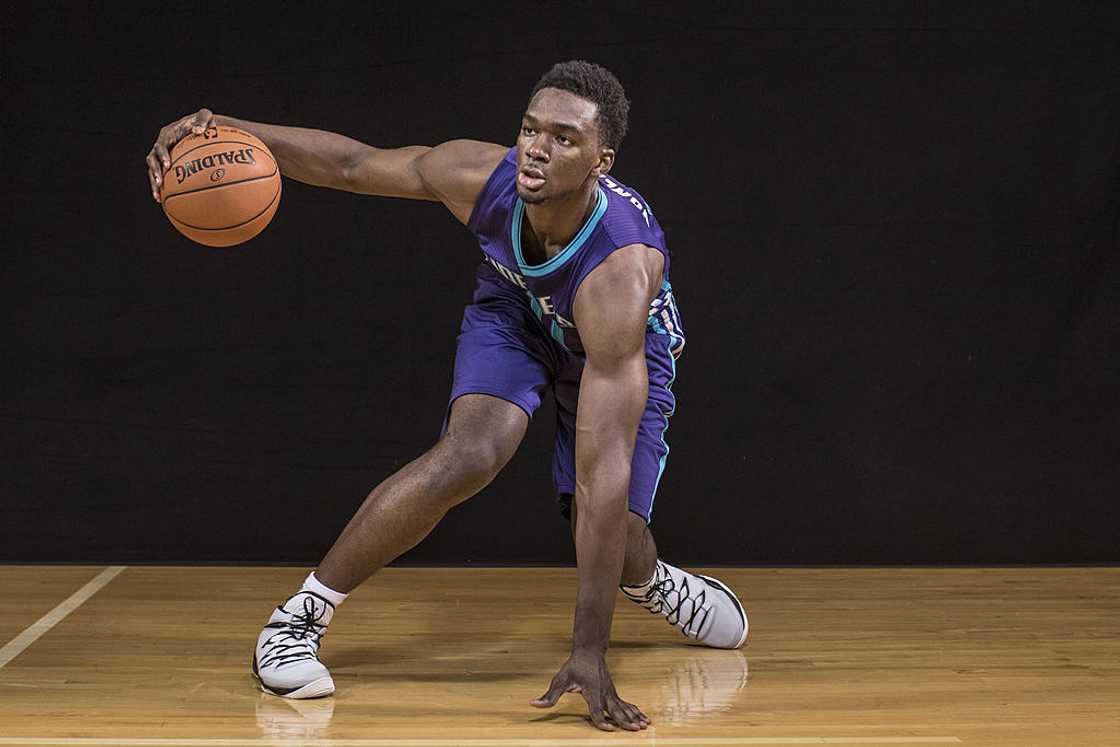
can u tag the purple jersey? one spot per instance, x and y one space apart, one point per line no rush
620 218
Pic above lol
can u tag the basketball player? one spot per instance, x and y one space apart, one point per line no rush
573 294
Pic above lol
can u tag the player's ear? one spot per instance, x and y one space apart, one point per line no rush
606 160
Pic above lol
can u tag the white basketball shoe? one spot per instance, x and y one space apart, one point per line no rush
702 607
286 661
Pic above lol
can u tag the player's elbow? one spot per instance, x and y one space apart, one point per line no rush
604 451
604 479
352 172
601 494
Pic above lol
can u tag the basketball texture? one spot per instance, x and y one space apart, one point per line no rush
222 187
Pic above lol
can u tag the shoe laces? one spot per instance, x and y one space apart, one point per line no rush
295 639
658 601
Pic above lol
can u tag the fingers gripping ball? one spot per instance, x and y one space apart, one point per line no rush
222 187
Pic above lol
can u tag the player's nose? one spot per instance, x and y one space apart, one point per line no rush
538 149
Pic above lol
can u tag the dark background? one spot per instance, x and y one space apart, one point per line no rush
894 235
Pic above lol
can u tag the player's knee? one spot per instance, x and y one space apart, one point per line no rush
470 462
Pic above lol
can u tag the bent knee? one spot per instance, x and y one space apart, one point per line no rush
472 462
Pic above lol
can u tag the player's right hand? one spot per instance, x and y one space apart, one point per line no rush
159 157
587 674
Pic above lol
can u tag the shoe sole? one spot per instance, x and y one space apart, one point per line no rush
738 605
319 688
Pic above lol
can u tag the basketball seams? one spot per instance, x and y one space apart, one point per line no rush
169 198
229 206
236 225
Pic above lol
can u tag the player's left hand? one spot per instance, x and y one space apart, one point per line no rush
587 674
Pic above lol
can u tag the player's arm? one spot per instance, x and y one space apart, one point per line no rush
611 308
453 173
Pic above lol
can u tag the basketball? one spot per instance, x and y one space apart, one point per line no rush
222 187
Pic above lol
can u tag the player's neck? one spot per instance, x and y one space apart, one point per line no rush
555 223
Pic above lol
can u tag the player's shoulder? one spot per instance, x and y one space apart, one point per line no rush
467 156
456 172
612 302
635 266
626 259
628 218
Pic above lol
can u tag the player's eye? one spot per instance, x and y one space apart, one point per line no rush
563 140
527 131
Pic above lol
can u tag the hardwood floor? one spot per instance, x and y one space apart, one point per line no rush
441 656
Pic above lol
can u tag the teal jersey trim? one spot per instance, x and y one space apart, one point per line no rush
536 306
558 335
573 246
665 456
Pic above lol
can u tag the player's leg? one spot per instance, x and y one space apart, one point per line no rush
500 372
641 551
702 607
482 433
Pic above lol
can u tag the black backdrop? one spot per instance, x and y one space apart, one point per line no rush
895 247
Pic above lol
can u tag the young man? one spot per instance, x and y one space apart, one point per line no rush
573 293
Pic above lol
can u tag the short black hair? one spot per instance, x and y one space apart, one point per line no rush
599 86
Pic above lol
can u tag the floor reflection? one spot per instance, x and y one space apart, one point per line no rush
705 681
699 683
283 718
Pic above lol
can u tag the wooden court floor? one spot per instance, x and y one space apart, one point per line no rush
430 656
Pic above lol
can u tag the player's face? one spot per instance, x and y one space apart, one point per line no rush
558 148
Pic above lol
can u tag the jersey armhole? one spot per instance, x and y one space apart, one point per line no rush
584 271
486 196
637 238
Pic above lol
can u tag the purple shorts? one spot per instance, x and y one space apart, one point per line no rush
505 351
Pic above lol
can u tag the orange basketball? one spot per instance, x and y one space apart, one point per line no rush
222 187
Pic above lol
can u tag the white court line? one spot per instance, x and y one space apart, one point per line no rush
634 739
19 644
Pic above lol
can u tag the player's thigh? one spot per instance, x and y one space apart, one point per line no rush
651 453
502 366
651 446
500 352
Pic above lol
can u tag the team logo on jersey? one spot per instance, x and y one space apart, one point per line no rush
505 272
664 319
545 302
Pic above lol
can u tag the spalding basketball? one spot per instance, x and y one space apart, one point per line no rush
222 187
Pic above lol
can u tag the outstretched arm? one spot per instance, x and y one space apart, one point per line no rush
453 173
611 308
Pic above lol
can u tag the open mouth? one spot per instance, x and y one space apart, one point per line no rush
531 178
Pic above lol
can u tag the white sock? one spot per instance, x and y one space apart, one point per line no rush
641 589
313 584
